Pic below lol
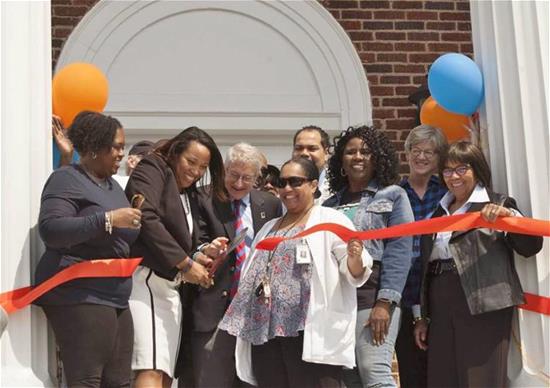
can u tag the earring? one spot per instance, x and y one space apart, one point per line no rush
342 172
94 155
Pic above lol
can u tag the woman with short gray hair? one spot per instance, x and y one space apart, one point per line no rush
424 146
423 133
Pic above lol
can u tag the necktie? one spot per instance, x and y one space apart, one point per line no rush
240 251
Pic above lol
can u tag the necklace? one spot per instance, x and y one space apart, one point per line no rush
295 222
103 183
264 288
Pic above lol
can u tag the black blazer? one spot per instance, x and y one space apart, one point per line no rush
216 220
164 239
485 262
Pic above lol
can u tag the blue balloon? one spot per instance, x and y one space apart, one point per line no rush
456 83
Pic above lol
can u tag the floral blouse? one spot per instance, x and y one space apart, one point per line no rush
257 319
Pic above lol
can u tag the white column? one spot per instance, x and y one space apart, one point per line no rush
25 163
511 46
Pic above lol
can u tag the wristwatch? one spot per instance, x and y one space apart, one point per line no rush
418 319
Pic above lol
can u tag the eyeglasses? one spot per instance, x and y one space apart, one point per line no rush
460 170
235 177
293 181
416 152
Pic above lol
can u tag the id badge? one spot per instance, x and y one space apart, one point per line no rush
303 255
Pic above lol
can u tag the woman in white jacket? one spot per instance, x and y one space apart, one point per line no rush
295 310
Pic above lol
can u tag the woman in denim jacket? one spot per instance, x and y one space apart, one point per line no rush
363 173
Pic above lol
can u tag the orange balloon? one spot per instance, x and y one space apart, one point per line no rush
77 87
454 126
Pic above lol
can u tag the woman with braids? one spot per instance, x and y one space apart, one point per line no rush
85 215
362 172
167 181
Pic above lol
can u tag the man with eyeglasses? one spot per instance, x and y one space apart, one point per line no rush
213 349
313 143
423 147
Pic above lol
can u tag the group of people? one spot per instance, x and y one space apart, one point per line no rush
208 307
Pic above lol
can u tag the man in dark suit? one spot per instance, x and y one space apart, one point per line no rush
213 349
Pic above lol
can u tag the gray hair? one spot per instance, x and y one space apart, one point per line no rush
424 133
244 153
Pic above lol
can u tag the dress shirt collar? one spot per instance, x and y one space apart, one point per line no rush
479 195
244 200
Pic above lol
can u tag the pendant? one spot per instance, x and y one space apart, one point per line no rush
267 293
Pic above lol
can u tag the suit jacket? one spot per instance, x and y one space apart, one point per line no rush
164 239
217 220
485 262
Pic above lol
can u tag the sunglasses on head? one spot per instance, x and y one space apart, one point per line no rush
293 181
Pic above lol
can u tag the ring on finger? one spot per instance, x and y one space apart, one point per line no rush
135 222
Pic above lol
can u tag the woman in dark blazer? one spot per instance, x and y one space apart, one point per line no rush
470 285
167 180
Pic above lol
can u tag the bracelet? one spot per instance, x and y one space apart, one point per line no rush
187 265
418 319
179 279
108 222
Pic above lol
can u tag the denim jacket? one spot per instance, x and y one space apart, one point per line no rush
381 207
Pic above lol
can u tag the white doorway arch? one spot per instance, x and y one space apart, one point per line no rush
243 70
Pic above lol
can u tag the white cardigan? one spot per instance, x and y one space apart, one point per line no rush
329 332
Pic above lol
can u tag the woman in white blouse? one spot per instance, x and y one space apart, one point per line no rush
295 310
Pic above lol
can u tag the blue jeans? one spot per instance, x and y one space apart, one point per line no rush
373 362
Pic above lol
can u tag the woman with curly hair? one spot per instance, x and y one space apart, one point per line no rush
85 215
363 173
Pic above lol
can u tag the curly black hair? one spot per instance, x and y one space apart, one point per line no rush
92 132
383 153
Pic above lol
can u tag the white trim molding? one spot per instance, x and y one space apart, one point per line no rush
511 46
236 68
25 164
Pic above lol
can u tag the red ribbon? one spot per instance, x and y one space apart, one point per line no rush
536 303
16 299
461 222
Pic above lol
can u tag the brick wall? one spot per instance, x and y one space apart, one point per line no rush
396 41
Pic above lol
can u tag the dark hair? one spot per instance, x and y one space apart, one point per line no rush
309 168
92 132
269 174
383 156
141 148
325 138
465 152
173 148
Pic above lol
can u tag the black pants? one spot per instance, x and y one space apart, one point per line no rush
214 360
95 342
278 364
465 350
412 360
